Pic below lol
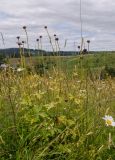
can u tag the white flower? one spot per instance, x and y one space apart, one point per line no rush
4 66
109 120
20 69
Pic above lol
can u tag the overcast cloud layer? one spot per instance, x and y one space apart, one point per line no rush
62 18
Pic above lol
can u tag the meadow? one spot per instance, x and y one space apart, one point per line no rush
53 108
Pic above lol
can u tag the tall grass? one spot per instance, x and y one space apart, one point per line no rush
57 114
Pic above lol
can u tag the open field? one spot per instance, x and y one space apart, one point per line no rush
54 110
87 61
57 80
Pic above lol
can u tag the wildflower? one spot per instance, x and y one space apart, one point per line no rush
3 66
109 120
57 39
18 37
20 69
45 27
24 27
19 44
88 41
78 47
23 42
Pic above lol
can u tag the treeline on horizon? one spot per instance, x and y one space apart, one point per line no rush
15 52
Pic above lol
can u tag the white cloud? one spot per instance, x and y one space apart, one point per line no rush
61 17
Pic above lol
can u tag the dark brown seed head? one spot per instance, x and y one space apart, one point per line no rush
19 43
78 47
24 27
23 42
40 36
57 39
37 40
88 41
84 50
54 35
18 37
45 27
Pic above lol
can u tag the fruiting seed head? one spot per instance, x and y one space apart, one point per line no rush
37 40
45 27
19 43
40 36
18 37
23 42
57 39
78 47
88 41
24 27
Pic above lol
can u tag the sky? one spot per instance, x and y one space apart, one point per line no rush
63 19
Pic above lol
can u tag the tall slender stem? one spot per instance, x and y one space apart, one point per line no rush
27 42
3 42
81 25
50 40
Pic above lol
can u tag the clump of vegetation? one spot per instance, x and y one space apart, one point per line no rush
110 71
107 71
55 116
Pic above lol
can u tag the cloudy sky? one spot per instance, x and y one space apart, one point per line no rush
62 18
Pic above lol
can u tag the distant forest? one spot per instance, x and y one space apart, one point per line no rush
15 52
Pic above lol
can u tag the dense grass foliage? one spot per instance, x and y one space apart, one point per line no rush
54 108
